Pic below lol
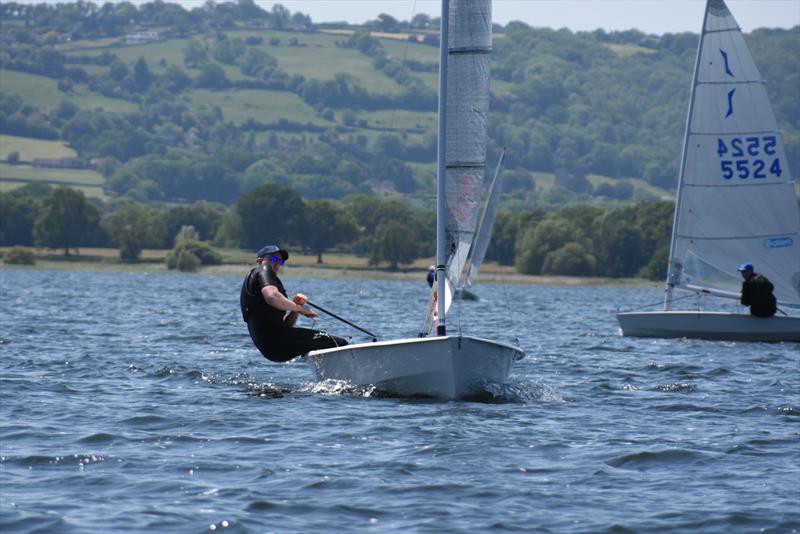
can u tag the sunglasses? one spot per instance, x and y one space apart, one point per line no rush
275 259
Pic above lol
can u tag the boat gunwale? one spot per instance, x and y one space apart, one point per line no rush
412 340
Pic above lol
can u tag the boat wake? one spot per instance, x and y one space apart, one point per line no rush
489 392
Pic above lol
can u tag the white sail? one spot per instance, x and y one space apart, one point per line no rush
468 54
478 251
736 200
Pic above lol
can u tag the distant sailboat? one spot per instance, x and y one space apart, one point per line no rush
736 199
443 365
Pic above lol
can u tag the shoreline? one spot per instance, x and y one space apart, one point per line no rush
332 273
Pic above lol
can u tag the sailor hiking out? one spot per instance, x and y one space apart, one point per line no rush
271 316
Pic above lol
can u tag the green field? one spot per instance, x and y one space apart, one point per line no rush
411 51
42 92
262 106
627 50
324 61
170 51
400 119
86 180
30 149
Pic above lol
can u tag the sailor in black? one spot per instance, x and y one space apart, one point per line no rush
265 305
757 292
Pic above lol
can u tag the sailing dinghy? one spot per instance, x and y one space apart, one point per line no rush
449 366
736 199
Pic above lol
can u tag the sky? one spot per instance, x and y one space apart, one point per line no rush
649 16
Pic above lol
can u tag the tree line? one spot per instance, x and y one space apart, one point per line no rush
581 240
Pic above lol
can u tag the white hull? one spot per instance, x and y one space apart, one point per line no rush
709 325
447 367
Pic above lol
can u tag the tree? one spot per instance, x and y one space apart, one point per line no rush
571 259
255 62
392 244
135 227
280 16
213 76
270 213
141 75
18 211
327 225
66 220
539 240
195 54
119 71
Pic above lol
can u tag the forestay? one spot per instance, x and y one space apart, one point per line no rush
736 200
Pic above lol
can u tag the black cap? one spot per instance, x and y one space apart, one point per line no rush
269 250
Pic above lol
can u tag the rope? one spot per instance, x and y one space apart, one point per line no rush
690 295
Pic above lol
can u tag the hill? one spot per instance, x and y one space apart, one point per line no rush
230 97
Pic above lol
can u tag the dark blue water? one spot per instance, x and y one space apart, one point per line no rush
136 403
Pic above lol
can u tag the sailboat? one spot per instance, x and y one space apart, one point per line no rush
443 365
736 200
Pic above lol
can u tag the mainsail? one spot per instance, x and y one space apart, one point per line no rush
462 136
467 108
736 199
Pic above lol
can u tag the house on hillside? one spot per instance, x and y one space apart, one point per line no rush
141 37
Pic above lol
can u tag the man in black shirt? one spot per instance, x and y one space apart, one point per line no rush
757 292
271 316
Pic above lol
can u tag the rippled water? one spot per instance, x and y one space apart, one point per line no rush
132 402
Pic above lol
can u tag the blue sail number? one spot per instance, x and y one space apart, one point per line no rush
749 157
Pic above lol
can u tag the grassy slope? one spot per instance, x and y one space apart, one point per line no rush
263 106
30 149
42 92
86 180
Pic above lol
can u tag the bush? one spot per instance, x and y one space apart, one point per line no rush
187 261
19 256
204 253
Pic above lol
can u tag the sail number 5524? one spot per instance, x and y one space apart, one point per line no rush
750 157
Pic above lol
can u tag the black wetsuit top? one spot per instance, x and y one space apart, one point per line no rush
757 293
276 340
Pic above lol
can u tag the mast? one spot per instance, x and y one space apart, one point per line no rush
441 273
674 274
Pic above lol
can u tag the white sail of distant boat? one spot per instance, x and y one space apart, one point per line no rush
478 251
480 244
736 199
443 365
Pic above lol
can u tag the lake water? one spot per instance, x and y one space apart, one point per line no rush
136 403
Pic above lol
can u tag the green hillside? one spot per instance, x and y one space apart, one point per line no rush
43 93
226 99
